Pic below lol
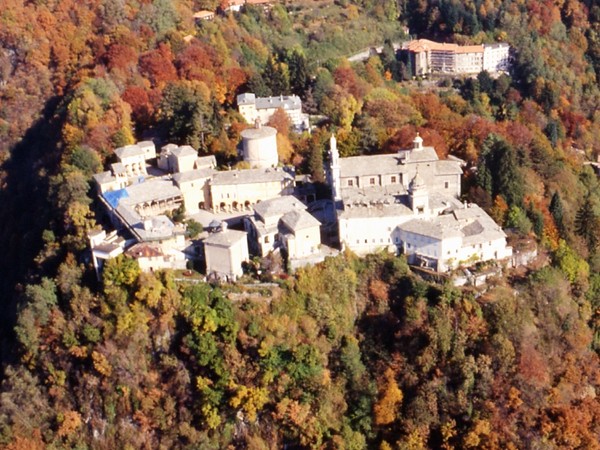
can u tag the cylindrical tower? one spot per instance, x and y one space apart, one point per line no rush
259 146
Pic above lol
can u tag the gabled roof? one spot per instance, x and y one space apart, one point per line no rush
118 168
129 150
278 206
184 150
425 45
249 176
206 161
167 149
299 220
227 238
246 99
203 14
192 175
356 166
103 177
144 250
472 224
285 102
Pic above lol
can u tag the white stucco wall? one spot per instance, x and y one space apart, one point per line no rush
306 242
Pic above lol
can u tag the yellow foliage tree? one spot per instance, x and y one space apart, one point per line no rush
101 364
70 423
390 397
251 400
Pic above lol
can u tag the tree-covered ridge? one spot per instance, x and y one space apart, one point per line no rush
347 354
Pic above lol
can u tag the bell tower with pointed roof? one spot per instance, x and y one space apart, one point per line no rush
418 194
334 169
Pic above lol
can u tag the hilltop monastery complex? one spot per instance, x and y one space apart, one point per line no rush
404 202
409 202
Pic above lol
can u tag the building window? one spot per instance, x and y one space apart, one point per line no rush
420 210
446 184
393 179
266 239
371 181
351 183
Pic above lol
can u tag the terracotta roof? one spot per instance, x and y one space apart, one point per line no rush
143 250
422 45
203 14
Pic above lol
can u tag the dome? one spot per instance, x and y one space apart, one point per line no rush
418 142
417 183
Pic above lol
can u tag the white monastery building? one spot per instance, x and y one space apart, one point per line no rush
284 223
139 200
409 202
131 165
252 108
225 251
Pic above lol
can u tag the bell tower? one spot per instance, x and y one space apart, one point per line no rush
334 169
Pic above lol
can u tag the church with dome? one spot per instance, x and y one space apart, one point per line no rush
409 202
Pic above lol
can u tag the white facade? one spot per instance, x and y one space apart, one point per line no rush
184 158
104 246
195 188
283 223
176 159
469 61
153 257
461 237
240 190
254 108
434 57
333 174
131 166
496 57
422 217
369 233
133 157
225 252
302 241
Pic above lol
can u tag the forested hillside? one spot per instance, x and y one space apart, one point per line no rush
352 353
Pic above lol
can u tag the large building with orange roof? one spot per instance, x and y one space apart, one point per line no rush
428 57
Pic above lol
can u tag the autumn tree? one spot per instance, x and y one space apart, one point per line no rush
390 397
